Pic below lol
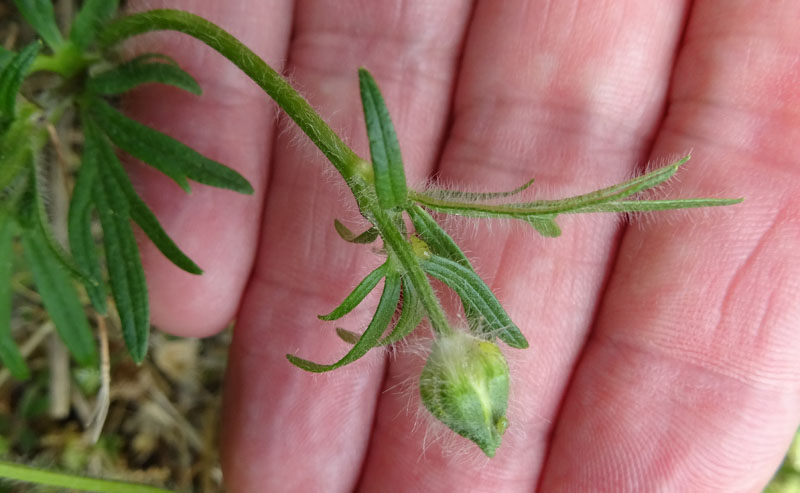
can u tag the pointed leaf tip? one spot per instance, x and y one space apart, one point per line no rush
366 237
387 162
371 336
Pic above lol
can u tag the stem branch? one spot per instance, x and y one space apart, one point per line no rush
343 158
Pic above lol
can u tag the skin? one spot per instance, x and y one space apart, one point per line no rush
663 351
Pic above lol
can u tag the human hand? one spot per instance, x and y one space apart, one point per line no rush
662 353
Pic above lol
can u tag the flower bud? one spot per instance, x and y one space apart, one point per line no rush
465 385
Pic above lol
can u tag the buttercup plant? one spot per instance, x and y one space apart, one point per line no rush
465 382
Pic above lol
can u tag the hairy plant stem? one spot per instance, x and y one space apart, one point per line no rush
347 162
408 260
356 171
561 206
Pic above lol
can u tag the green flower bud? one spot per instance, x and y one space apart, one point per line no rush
465 385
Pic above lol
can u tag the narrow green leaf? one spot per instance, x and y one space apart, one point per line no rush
478 196
348 336
137 72
657 205
546 226
11 80
9 352
387 163
383 315
126 274
140 212
118 128
411 315
551 208
90 18
42 223
81 240
358 294
367 236
164 153
442 244
59 297
40 15
437 238
473 291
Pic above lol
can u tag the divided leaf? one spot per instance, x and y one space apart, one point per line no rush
90 18
11 80
367 236
387 163
380 321
9 352
59 297
40 15
411 315
359 293
621 190
541 214
126 274
143 216
474 292
604 200
140 71
164 153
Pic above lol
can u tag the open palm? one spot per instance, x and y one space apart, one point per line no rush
663 354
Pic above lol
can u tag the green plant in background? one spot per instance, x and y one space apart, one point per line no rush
787 478
465 382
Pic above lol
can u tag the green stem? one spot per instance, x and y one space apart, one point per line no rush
17 472
347 162
356 172
408 260
67 61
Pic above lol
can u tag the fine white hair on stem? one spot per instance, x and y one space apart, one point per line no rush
663 191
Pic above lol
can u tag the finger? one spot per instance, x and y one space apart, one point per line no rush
569 93
276 415
232 123
690 381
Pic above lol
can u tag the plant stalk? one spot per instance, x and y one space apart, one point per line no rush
347 162
356 172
